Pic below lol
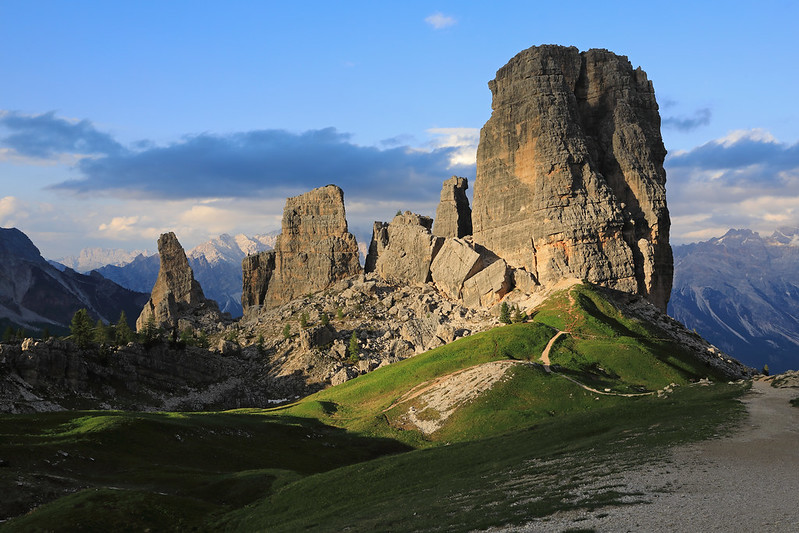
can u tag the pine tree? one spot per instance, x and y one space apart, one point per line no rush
101 333
287 332
8 334
81 328
504 313
354 348
122 332
324 319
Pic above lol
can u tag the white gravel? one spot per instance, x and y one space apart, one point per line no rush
748 481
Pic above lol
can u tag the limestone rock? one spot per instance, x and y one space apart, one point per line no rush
314 250
404 249
176 294
488 286
453 265
570 179
453 215
256 271
378 243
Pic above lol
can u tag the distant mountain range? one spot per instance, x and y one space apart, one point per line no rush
741 292
35 295
216 265
91 258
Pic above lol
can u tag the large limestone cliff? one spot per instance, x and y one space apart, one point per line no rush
570 179
176 294
314 250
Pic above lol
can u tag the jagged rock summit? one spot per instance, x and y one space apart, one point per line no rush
570 179
313 251
176 294
453 215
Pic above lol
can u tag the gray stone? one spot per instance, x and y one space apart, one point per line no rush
453 215
570 180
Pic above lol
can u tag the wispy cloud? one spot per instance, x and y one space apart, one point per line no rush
440 21
701 117
746 179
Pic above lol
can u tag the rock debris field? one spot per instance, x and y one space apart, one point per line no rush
747 481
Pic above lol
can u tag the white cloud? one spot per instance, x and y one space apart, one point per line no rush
464 139
440 21
755 135
8 206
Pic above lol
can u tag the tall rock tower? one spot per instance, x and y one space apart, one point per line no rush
314 250
570 179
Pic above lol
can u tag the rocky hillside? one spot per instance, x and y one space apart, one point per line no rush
741 292
34 294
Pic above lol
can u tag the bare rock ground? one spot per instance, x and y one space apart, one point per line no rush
746 481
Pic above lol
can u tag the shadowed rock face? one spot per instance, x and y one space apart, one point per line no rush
314 250
176 294
570 179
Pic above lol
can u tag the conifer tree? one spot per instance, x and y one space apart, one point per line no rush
81 328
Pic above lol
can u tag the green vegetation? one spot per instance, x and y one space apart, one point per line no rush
304 320
287 331
795 402
504 313
81 328
122 332
324 319
346 458
354 348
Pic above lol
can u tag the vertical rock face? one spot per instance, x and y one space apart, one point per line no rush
313 251
403 249
176 294
453 215
256 272
570 179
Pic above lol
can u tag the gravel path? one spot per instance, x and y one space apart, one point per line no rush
748 481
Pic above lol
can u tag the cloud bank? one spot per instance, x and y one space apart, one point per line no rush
260 163
747 179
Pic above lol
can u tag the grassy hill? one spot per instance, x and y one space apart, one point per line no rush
472 434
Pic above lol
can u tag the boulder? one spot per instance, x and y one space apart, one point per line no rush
456 262
404 249
488 286
316 336
570 179
453 215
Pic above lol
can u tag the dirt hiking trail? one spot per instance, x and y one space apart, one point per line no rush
748 481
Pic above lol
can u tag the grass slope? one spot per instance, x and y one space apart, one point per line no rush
331 461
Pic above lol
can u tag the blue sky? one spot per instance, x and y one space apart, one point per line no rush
121 120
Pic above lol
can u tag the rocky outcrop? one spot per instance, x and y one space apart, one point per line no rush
313 251
256 272
404 249
570 179
453 215
176 295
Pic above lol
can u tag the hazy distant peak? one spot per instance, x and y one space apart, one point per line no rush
231 249
91 258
